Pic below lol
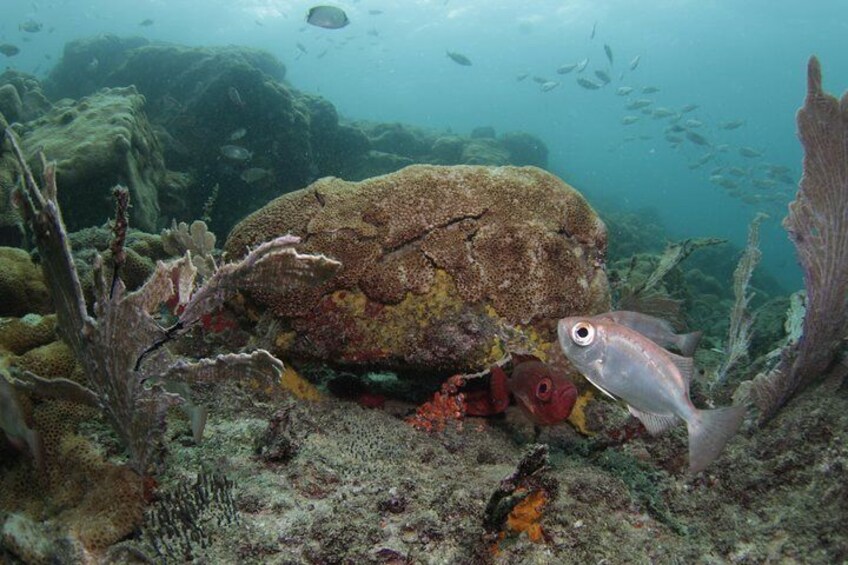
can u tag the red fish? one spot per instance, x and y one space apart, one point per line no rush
545 395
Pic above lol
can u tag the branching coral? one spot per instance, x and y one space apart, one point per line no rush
818 226
120 347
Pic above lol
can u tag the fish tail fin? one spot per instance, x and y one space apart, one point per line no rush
688 343
709 432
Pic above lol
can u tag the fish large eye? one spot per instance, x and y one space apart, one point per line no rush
544 389
583 333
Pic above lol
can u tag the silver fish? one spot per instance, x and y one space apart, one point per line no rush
328 17
654 383
657 330
581 66
624 90
662 112
608 51
588 84
459 58
549 85
521 76
733 124
565 69
603 76
640 103
629 120
749 152
688 108
691 123
696 138
635 62
235 152
650 89
254 174
238 134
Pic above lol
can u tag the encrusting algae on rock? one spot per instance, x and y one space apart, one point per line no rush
439 263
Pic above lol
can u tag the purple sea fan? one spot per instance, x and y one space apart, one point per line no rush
818 226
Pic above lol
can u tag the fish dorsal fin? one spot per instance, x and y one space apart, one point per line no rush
686 365
655 423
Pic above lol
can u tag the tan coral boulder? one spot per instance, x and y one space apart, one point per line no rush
443 267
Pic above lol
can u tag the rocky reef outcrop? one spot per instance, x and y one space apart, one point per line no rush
441 265
241 135
97 142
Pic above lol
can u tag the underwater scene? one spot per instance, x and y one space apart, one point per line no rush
423 282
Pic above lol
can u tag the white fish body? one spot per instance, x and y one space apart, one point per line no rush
654 383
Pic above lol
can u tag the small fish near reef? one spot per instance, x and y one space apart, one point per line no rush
9 50
544 394
30 26
235 152
327 17
459 58
626 365
146 22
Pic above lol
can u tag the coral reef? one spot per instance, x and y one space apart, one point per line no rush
120 347
98 142
22 288
438 261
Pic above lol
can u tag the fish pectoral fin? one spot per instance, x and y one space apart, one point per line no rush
655 423
599 387
686 365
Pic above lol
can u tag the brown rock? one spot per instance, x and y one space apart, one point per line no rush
442 266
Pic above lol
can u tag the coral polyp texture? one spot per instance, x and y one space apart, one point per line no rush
438 261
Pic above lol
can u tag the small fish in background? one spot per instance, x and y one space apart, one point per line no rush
238 134
696 138
375 12
235 97
327 17
608 51
673 139
235 152
662 112
565 69
635 62
688 108
623 90
30 26
700 162
654 383
692 123
603 76
581 66
650 90
549 85
521 76
301 48
146 22
640 103
723 148
9 50
539 80
459 58
588 84
764 183
594 29
629 120
676 128
750 152
731 125
737 172
254 174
